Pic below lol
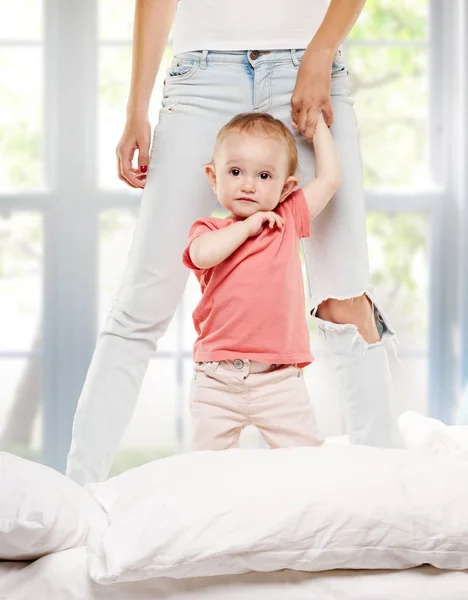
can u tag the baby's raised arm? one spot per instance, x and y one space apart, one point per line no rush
320 190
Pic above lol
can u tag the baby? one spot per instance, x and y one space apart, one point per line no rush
253 339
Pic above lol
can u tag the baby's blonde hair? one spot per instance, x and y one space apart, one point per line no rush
254 123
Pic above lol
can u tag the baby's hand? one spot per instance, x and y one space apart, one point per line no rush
256 221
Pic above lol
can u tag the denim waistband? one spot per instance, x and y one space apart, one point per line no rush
243 56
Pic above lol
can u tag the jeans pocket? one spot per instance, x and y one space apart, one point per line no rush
205 372
181 69
198 374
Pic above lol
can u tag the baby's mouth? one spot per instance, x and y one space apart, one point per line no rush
245 199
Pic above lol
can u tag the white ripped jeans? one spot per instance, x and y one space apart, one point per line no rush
202 91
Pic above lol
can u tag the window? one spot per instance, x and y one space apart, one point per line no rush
22 174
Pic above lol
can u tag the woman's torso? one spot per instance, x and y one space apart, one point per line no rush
246 24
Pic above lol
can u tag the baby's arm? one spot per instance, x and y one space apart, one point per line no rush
211 248
320 190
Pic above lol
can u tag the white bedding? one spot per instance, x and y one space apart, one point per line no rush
63 576
305 509
41 511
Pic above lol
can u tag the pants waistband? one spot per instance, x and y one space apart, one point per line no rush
243 56
240 364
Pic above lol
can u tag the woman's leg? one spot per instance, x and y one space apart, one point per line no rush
197 102
338 274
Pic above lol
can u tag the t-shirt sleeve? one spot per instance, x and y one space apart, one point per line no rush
297 205
196 230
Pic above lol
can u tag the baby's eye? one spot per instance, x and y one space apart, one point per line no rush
235 172
265 176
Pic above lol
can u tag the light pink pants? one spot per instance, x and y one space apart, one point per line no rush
229 395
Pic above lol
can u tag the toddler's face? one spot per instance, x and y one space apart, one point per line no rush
250 174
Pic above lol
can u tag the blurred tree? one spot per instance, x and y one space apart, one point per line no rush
392 20
21 152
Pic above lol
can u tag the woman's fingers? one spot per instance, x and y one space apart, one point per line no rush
143 160
143 156
302 118
311 124
296 109
305 119
327 111
126 172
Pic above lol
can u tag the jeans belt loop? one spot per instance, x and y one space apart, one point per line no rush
294 58
203 59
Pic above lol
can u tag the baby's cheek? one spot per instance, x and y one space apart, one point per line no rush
225 198
227 192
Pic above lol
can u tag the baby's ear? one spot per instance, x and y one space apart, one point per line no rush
290 183
211 174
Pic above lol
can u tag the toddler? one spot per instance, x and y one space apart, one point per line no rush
253 339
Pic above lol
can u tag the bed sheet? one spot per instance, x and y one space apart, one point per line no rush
63 576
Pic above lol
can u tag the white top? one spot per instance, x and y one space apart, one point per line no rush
246 24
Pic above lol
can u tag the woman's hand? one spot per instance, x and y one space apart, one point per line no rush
136 136
311 94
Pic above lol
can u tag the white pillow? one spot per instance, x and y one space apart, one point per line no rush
41 510
308 509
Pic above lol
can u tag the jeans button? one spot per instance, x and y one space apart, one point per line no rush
254 54
238 363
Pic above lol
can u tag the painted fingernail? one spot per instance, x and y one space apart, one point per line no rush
143 168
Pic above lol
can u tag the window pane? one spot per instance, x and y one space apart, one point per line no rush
21 129
392 20
21 19
398 249
20 406
399 263
116 19
21 328
114 80
389 86
20 282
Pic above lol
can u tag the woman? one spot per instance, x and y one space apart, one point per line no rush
231 57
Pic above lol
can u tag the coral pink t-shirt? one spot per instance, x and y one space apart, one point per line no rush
252 303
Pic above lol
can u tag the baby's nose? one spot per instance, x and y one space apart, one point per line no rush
248 184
